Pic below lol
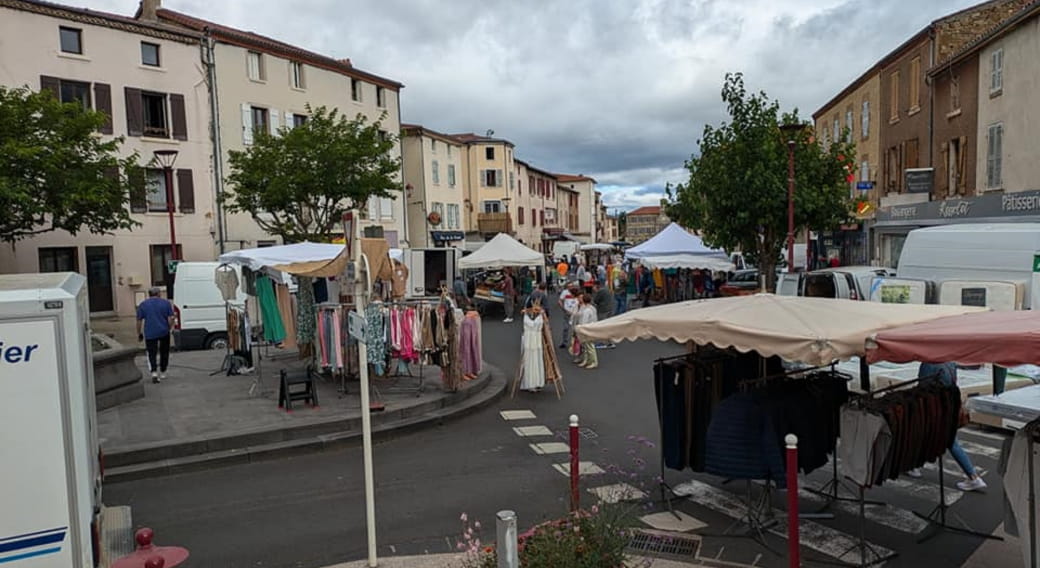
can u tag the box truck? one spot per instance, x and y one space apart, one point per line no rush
51 490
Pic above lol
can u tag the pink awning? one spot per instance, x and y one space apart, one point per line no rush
1002 338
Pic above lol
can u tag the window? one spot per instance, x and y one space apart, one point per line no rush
996 72
71 40
265 244
261 121
160 262
849 125
489 153
58 259
541 216
433 145
915 84
255 66
864 170
380 97
438 208
493 206
296 75
451 174
492 178
520 215
436 167
154 107
150 54
299 120
75 92
355 90
449 149
893 97
994 156
454 220
836 131
864 121
386 207
155 185
512 180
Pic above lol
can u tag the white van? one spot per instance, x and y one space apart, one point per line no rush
201 312
566 249
977 252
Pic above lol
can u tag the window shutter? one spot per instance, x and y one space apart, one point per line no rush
134 112
498 178
180 121
52 84
483 178
138 193
103 104
386 207
289 121
373 208
990 157
247 124
185 191
962 182
274 121
998 158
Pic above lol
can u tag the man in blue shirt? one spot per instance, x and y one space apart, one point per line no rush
155 315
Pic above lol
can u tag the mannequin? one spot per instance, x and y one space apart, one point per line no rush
532 369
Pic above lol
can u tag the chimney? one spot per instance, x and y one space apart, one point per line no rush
149 9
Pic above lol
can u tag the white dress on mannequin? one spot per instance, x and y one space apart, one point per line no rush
533 374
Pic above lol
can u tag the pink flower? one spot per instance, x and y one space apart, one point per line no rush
463 517
476 524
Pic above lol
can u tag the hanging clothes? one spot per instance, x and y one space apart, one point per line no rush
321 290
305 314
288 314
249 281
533 369
470 348
274 330
375 336
227 282
450 365
399 285
865 439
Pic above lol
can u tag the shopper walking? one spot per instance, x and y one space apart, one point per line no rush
154 321
603 300
539 298
620 290
587 314
569 303
508 288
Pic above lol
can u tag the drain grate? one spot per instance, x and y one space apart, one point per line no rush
586 433
664 545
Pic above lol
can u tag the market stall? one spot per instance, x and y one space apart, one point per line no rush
682 266
1002 338
755 362
503 251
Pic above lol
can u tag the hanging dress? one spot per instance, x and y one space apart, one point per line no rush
469 348
533 370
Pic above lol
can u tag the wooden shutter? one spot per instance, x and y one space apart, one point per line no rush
990 154
247 124
962 178
180 121
185 191
134 112
52 84
138 193
103 103
942 183
273 114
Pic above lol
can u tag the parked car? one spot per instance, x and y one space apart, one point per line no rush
742 283
848 282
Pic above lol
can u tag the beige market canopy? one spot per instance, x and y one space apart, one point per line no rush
815 331
500 252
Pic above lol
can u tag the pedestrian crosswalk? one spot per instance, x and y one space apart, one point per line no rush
914 494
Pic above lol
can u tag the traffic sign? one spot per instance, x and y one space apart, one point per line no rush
864 185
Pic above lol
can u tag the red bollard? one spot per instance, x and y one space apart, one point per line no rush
575 498
149 555
793 546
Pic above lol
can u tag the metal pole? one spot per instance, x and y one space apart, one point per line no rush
793 546
505 540
169 212
575 497
360 301
790 205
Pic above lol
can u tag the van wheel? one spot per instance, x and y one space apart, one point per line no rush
217 341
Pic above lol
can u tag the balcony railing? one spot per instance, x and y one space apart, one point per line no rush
494 223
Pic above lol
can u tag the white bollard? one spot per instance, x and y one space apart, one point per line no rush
505 534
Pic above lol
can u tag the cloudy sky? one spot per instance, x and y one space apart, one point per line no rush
616 89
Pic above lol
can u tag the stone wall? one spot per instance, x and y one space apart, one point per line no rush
956 31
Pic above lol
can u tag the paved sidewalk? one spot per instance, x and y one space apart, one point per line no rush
455 561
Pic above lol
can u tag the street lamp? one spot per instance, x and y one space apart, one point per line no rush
790 131
166 158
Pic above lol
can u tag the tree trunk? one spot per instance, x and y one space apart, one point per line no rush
767 264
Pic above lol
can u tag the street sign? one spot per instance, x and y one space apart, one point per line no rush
864 185
356 326
1036 262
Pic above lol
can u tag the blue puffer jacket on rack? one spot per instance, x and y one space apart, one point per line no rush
742 442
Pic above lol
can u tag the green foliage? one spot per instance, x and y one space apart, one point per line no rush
56 172
737 190
298 184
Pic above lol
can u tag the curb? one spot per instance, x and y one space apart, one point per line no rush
493 389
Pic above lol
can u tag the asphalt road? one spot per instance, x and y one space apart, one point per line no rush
308 511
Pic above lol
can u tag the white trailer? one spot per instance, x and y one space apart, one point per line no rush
51 490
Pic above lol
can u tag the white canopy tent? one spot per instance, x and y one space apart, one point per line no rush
500 252
305 259
675 247
597 246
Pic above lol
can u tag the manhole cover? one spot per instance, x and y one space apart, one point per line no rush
666 545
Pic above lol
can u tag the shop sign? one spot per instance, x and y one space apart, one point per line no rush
919 180
1020 204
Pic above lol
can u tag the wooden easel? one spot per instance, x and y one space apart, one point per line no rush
557 382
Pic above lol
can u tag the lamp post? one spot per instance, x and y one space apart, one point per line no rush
166 158
790 131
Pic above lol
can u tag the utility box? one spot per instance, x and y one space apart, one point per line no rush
51 490
429 269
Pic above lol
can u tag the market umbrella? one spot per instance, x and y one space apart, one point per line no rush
502 251
816 331
1003 338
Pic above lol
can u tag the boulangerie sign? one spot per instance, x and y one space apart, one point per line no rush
1019 204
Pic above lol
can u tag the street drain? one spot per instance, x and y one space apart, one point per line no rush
664 545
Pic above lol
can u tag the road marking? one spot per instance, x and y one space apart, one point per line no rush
951 468
617 492
892 517
983 434
980 450
815 536
531 431
550 448
516 415
927 490
667 521
584 468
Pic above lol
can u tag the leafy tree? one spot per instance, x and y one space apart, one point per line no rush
736 194
298 184
55 171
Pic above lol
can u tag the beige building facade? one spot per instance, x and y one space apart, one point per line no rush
263 84
147 78
537 213
585 188
491 184
435 182
854 113
644 222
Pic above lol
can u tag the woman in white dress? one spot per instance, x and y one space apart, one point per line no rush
533 371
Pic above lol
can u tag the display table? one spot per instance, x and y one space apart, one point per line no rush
1013 408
